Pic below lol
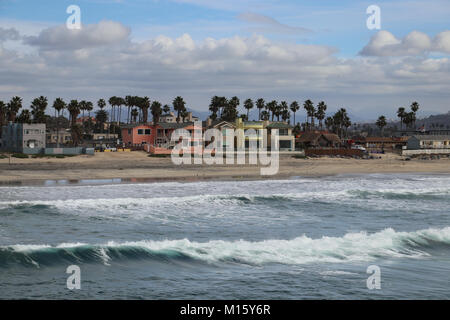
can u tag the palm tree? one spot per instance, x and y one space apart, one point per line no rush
89 108
401 113
230 113
341 120
282 109
74 110
101 116
179 106
381 123
113 103
184 114
320 114
156 111
24 117
101 103
272 107
58 105
265 115
166 109
414 108
248 104
13 107
329 123
130 102
82 105
134 115
38 107
120 102
294 108
310 111
260 104
144 105
3 111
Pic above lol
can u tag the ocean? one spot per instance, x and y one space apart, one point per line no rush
301 238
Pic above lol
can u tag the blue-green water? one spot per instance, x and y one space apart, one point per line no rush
291 239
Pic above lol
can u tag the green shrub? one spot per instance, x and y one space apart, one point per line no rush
20 155
159 155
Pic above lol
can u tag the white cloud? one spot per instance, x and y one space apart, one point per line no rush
255 66
442 42
385 44
62 38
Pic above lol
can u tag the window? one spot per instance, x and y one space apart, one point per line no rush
285 144
148 132
129 131
140 131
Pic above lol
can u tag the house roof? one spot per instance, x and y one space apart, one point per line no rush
308 137
279 125
430 137
385 139
332 137
313 137
175 125
220 123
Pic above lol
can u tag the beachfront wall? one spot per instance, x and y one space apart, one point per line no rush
334 152
425 152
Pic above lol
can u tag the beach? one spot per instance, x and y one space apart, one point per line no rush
138 165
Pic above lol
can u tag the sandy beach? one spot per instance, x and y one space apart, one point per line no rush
137 165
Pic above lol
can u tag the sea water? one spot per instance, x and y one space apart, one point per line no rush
301 238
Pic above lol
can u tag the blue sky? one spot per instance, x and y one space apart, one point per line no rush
341 24
294 26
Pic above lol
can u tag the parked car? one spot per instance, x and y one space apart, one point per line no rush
358 147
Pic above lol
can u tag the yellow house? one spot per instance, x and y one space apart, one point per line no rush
286 137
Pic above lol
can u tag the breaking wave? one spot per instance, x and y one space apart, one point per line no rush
223 200
302 250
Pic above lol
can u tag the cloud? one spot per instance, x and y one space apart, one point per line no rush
385 44
441 42
9 34
164 67
268 24
94 35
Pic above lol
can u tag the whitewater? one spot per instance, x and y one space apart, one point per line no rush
301 238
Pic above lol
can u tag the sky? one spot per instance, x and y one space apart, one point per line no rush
274 49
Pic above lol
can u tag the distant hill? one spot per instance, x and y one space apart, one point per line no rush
435 121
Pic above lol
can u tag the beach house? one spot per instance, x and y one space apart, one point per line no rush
158 135
23 138
317 139
429 142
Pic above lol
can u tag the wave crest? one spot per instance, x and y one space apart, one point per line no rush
302 250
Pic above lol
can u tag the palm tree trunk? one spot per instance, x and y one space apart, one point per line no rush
57 130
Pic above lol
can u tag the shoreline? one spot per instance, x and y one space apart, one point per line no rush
137 167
